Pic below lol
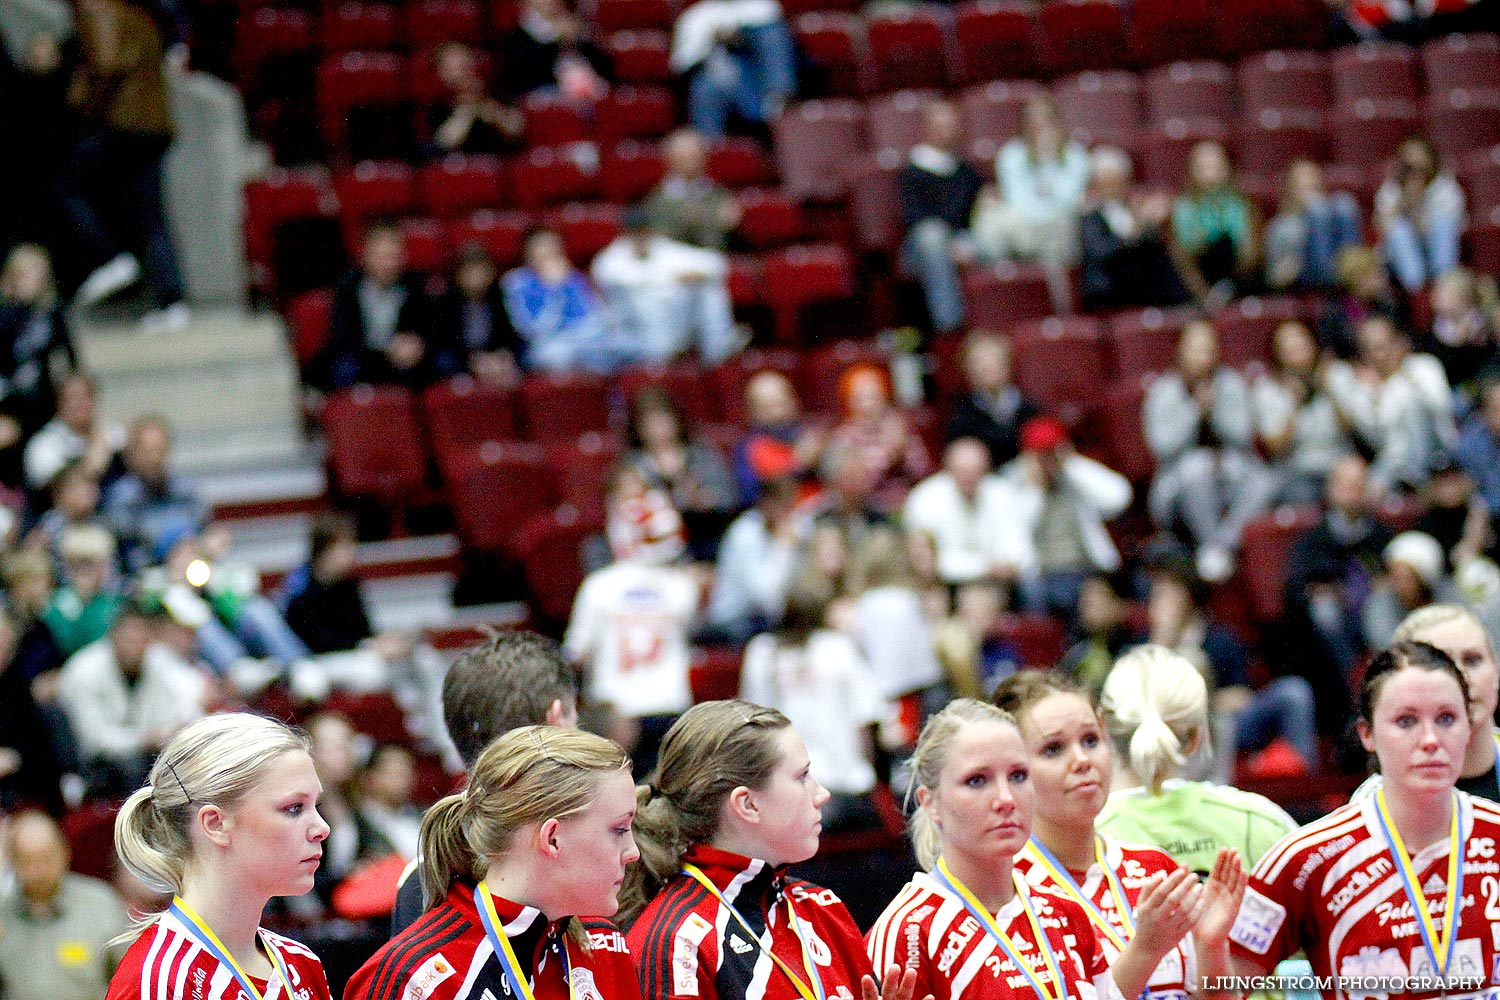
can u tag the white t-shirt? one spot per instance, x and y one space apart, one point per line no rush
897 640
830 696
969 536
630 626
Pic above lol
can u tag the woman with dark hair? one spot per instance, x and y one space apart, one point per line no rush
1419 212
682 465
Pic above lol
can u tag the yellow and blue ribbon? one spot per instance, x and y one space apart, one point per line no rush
197 928
1439 948
812 987
977 910
1059 874
495 931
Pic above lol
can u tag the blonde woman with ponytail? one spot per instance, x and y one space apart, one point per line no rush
968 926
1154 706
716 917
519 873
229 820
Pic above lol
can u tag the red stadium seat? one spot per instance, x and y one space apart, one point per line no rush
740 163
1120 422
802 277
279 197
1163 30
1247 326
458 185
432 22
838 51
895 120
728 380
909 46
640 56
1484 245
1145 342
715 673
545 177
90 830
745 280
823 368
427 248
814 140
683 383
495 491
563 406
374 445
1190 90
364 104
501 233
1062 364
1256 25
992 111
796 8
1266 144
1264 549
462 413
372 189
1482 182
268 43
875 203
359 26
549 546
1367 133
995 39
1006 293
1462 122
587 228
1165 149
309 319
1101 106
1037 638
616 15
769 219
1378 70
552 120
635 113
1084 34
1469 61
1284 80
581 470
630 171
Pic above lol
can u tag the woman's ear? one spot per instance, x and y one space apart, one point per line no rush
1366 735
1194 742
546 837
740 804
215 823
927 802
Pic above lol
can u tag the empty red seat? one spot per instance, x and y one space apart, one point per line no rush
803 276
1247 326
1368 132
814 140
640 56
823 368
1482 181
1006 293
1373 69
992 111
1165 149
1145 342
587 228
874 202
895 120
427 248
1283 80
549 547
493 493
728 380
1461 61
546 177
551 120
1264 549
1484 245
309 318
737 162
350 26
563 406
684 384
373 188
1084 34
1200 89
1267 143
432 22
1101 106
995 39
1061 363
635 113
1461 122
501 233
838 52
630 171
616 15
581 468
280 196
360 80
909 46
1257 25
1038 639
458 185
1163 30
462 413
769 219
715 673
1120 422
745 280
374 445
263 36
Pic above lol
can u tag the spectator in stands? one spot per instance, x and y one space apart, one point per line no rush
976 656
892 631
77 433
937 190
684 466
846 494
738 58
149 502
1302 421
334 752
1464 335
1414 576
467 119
60 927
1329 574
1365 291
36 744
382 316
779 444
1214 225
757 560
631 620
29 586
1455 515
963 508
689 206
993 409
1123 247
472 323
557 313
1312 226
119 91
1101 631
1478 449
75 503
1059 501
1033 215
125 696
84 607
551 51
35 88
385 809
1198 423
1419 213
816 677
39 355
880 434
664 297
1410 425
323 602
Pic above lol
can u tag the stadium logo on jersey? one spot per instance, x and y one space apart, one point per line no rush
608 941
429 975
1380 867
821 953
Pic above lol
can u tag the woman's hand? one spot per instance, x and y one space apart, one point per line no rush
1221 899
1166 911
899 985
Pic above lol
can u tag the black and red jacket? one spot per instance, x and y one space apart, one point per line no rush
689 947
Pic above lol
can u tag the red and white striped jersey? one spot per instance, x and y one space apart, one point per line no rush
168 963
1333 889
927 929
1176 975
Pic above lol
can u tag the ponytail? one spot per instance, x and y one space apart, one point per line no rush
446 854
152 843
1154 702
